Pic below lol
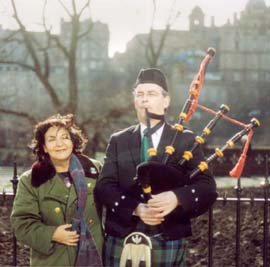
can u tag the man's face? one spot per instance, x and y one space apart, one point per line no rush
149 95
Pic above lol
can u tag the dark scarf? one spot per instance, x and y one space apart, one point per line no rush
87 254
43 170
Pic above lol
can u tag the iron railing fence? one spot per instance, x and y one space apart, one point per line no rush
6 199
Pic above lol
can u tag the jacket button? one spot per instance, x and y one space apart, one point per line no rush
57 210
89 185
91 221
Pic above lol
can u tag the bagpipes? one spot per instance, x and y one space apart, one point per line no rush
156 177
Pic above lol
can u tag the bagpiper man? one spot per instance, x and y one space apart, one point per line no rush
142 230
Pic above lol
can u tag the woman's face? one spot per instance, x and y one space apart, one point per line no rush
58 144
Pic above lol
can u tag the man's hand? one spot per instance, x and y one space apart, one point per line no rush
163 203
147 215
64 236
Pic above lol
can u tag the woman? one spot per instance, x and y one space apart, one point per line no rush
54 212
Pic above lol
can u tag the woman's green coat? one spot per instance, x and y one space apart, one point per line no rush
38 211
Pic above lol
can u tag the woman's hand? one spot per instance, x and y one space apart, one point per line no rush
64 236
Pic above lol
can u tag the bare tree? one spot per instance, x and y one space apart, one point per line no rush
39 57
38 53
156 39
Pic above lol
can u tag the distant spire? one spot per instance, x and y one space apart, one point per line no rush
213 21
235 20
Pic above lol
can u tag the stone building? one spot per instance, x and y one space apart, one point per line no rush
239 74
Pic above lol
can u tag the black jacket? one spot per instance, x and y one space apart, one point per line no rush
116 187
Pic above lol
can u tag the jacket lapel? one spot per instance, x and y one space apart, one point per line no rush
134 144
57 190
72 195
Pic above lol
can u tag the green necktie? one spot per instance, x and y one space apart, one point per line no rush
144 147
147 142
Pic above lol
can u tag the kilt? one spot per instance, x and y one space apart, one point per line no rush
164 253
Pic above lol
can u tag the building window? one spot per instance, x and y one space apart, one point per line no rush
236 77
254 76
267 77
93 65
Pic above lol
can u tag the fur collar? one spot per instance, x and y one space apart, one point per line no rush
42 171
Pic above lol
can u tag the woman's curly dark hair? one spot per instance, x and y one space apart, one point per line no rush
67 121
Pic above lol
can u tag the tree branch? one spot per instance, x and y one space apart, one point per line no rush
74 7
85 33
87 3
27 38
61 47
25 115
37 67
24 65
46 65
153 51
171 19
51 36
65 8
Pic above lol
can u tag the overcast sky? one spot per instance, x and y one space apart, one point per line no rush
128 17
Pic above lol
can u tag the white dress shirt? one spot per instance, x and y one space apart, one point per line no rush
155 136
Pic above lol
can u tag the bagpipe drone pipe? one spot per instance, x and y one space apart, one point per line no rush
155 177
